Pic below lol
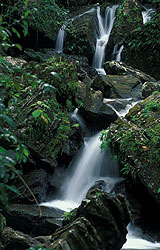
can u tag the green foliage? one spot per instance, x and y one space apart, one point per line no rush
127 18
60 74
99 194
105 141
68 215
9 25
77 44
12 152
43 15
145 39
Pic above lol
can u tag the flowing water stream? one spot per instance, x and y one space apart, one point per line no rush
117 50
105 26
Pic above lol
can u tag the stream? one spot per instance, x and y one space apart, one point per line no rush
91 167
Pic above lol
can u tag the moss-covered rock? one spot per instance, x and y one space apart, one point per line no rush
2 228
136 142
81 35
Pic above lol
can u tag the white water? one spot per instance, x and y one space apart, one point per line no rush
116 55
60 39
147 14
136 240
105 26
89 167
62 33
127 104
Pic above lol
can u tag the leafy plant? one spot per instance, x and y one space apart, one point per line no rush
68 215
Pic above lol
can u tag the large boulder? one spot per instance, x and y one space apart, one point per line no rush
141 47
120 68
99 223
38 182
96 113
27 219
126 86
17 240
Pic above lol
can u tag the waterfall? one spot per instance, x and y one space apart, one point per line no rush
105 27
116 55
62 33
90 167
147 14
60 39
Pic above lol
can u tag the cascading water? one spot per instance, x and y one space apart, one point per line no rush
89 167
62 33
105 27
147 14
136 240
60 39
120 106
116 55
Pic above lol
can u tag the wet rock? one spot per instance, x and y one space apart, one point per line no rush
27 219
38 181
93 107
126 86
102 83
120 68
17 240
99 223
92 100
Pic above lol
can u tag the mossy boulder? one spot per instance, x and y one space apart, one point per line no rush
81 36
136 142
128 18
142 47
